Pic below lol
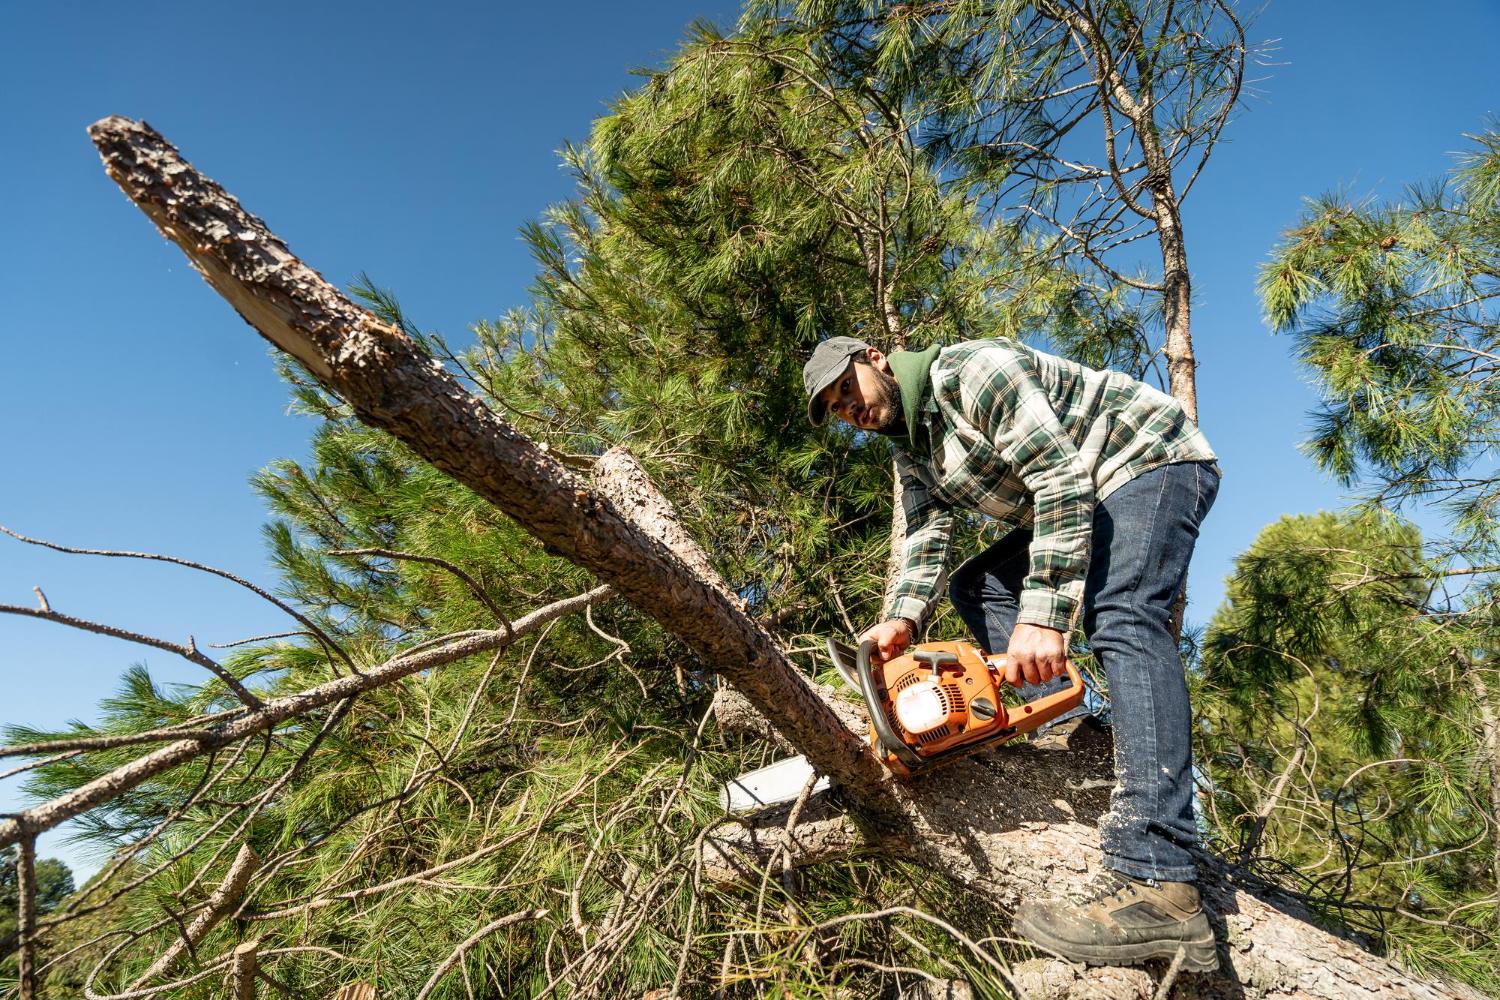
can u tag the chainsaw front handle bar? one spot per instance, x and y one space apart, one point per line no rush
843 657
888 739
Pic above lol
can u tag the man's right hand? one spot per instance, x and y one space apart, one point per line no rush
892 637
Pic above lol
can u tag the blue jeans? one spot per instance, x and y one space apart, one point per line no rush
1143 537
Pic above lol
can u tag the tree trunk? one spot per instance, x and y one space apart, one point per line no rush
1004 824
1165 210
26 917
884 292
1489 728
1177 301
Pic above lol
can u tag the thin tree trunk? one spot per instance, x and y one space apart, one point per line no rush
1164 210
1489 728
897 544
883 291
1177 299
26 915
1004 824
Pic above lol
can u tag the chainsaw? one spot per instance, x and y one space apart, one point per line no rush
941 700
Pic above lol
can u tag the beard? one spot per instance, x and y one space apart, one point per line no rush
888 397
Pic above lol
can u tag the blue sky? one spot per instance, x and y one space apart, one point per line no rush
411 143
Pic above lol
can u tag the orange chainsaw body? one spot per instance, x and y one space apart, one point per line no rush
942 700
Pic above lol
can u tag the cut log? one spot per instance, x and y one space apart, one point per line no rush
1003 824
243 968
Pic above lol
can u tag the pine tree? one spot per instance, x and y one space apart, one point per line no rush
1391 308
1336 737
54 883
526 819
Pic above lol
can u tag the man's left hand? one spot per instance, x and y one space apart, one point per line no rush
1036 654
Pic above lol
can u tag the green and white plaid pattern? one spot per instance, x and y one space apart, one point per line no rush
1031 440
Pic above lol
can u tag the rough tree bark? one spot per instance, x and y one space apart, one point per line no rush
242 971
1003 824
26 916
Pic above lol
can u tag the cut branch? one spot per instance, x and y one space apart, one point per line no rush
220 902
243 969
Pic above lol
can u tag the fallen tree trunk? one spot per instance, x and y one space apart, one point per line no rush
1002 824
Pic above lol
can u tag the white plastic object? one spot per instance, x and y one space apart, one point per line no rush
921 708
780 782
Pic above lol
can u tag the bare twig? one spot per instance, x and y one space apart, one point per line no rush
306 623
456 570
188 652
471 941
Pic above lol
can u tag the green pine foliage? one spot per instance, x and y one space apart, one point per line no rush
1389 641
676 299
1337 738
1392 307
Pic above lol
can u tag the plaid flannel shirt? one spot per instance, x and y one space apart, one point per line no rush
1029 439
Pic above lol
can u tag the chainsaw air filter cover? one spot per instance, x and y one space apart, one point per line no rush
927 705
926 694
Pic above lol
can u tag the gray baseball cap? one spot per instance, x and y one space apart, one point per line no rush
828 361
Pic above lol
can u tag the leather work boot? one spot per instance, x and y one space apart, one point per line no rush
1124 921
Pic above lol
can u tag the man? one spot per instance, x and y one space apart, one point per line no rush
1104 481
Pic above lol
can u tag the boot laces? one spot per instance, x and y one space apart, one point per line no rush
1111 884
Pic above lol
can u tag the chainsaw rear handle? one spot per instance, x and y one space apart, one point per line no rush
1025 718
888 739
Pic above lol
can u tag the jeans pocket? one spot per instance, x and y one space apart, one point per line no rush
1208 489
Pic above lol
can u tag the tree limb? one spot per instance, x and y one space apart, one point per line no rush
219 903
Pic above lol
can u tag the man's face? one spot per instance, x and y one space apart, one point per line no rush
866 396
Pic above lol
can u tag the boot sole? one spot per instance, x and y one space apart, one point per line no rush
1201 955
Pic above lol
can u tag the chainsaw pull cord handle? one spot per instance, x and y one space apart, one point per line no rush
936 659
883 731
